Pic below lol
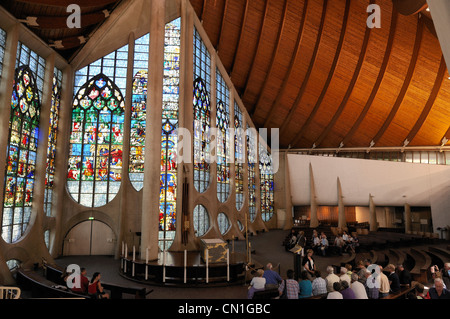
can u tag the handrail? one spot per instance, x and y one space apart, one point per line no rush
10 292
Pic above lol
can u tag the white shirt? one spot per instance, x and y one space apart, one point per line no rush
335 295
346 278
359 290
258 282
331 279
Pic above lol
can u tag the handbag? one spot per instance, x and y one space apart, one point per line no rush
284 294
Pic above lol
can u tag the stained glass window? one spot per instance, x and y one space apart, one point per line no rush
21 155
266 180
52 137
251 160
26 56
96 140
95 161
201 220
224 223
169 137
202 116
239 156
223 138
2 49
138 112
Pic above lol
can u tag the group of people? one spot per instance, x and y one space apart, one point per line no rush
366 281
92 288
343 243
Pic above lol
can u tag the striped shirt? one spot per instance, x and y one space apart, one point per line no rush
319 286
291 288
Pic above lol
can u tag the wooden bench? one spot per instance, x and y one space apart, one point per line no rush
423 263
41 287
266 294
401 294
54 273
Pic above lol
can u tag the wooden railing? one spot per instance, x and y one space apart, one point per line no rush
10 292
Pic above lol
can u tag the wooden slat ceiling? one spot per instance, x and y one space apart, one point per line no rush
313 69
48 19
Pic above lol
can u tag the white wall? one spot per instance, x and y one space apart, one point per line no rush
390 183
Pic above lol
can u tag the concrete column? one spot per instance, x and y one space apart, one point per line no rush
150 200
407 218
341 217
6 87
373 224
126 148
314 222
440 12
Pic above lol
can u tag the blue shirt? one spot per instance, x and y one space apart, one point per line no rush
272 277
305 289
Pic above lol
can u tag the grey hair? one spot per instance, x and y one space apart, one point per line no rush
330 269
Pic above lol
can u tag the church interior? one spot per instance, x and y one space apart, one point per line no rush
180 143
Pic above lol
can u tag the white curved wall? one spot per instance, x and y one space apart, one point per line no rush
390 183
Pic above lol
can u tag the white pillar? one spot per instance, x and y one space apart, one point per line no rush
373 224
440 12
314 222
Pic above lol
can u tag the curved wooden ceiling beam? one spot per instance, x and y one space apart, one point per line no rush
50 22
351 86
273 58
203 11
291 66
65 3
406 83
409 7
330 76
225 9
258 47
244 21
308 73
387 54
440 76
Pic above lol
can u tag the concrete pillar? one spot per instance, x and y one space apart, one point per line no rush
373 224
341 212
314 222
150 200
440 12
407 218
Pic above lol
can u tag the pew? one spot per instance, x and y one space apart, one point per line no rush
266 294
402 293
54 273
40 287
423 262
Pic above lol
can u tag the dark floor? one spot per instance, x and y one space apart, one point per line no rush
266 247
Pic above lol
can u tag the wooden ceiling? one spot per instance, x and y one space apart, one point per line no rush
313 69
48 19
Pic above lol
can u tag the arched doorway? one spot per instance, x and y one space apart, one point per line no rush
90 237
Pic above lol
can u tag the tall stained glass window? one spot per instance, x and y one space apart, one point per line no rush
202 116
266 181
2 49
52 137
96 140
21 155
223 138
169 137
251 160
138 112
239 157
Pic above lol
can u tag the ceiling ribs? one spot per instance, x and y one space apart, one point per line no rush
380 77
219 37
351 86
244 21
308 73
261 31
203 11
330 76
409 7
273 58
291 66
406 82
433 95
